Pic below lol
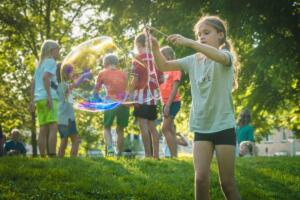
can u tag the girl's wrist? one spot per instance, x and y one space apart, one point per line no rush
191 43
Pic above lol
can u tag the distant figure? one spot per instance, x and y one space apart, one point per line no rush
14 146
246 149
244 130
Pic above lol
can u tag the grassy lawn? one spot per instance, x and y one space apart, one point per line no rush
258 178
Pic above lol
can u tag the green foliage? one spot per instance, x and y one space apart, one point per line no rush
264 33
83 178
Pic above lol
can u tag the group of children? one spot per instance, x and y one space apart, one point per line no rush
54 101
211 71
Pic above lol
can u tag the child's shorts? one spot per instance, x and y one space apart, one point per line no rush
145 111
122 114
174 109
45 115
67 130
224 137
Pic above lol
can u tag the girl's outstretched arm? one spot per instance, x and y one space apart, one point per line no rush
209 51
160 61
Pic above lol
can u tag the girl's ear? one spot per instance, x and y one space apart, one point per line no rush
221 36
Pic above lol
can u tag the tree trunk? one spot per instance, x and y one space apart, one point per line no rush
33 135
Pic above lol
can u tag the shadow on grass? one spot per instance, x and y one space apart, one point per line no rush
267 178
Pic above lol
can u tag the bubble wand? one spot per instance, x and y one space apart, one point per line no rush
156 30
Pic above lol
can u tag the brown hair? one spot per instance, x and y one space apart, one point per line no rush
245 117
225 43
141 39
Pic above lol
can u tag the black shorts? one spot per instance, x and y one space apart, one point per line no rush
224 137
145 111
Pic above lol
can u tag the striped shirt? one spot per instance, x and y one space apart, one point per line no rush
144 69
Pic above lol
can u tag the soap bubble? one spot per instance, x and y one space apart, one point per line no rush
104 76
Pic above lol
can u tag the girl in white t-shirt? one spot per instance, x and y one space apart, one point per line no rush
212 73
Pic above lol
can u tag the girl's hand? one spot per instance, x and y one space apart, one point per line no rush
31 107
49 103
154 42
178 40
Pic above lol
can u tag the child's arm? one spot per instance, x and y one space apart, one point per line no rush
171 98
161 62
209 51
46 80
85 76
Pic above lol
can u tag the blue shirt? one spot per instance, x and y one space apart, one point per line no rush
47 65
11 145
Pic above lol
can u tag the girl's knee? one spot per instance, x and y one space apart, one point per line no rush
227 184
201 178
63 144
76 140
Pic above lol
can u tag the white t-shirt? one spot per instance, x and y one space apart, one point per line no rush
211 85
47 65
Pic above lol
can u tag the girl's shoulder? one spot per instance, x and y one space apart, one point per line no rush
48 61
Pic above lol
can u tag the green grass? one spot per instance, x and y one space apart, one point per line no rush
101 178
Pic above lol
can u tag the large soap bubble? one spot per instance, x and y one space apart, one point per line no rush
104 76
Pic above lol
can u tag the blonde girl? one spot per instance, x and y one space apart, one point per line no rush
211 71
44 97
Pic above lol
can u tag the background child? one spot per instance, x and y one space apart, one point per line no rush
146 95
171 101
211 73
66 116
246 149
115 81
14 146
244 130
44 96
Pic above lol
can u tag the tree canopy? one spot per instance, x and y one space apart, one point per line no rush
265 34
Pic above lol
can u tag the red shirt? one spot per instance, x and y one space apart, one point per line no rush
115 81
166 88
148 79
